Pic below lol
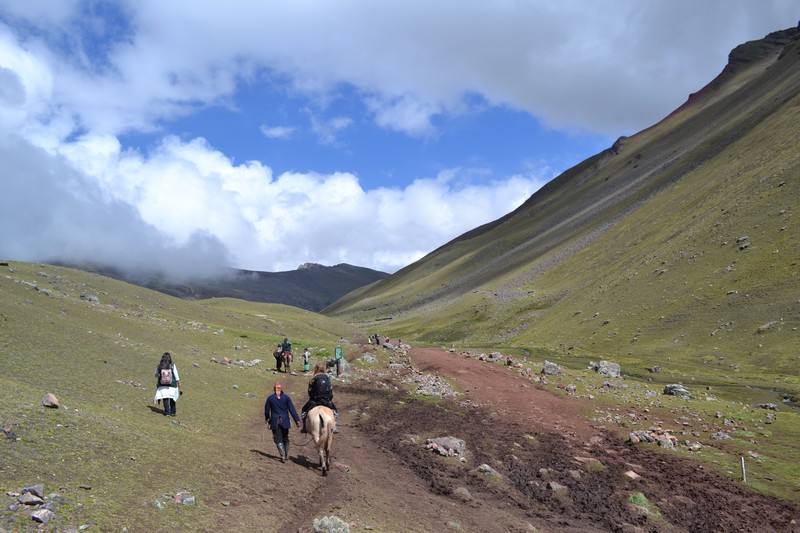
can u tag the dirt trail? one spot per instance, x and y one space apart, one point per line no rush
384 480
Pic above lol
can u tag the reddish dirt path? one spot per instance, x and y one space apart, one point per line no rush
385 480
513 397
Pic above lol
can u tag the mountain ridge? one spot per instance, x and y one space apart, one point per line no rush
520 280
311 286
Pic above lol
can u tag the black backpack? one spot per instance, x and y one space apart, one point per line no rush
323 388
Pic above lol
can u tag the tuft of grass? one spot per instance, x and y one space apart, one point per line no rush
640 500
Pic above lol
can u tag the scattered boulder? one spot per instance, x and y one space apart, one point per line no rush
463 494
606 368
677 389
551 369
36 490
770 406
91 298
369 358
50 400
447 446
633 476
330 524
42 516
29 498
488 470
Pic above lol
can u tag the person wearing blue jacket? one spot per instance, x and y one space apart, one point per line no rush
277 410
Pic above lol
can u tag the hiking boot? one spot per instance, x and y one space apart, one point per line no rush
282 452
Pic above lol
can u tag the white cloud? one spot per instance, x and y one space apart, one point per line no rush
71 190
327 130
276 132
187 208
610 66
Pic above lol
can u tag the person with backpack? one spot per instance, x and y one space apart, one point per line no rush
168 384
277 410
320 392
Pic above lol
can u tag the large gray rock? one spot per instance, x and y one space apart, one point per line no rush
677 389
606 368
551 369
447 446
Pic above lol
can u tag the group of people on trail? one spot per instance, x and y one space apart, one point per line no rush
279 410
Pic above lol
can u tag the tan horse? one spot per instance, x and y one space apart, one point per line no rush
319 424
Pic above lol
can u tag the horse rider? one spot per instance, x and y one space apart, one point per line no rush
320 392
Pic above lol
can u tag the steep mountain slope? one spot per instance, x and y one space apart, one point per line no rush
679 242
310 287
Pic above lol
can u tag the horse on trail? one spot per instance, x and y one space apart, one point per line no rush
319 424
282 358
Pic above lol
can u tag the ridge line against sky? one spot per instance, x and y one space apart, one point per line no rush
186 136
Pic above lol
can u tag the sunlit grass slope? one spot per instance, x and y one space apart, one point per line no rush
678 244
98 358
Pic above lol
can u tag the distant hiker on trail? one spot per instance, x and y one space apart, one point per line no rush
168 384
306 364
277 410
320 392
278 354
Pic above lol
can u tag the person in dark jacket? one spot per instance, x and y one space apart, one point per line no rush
277 410
320 392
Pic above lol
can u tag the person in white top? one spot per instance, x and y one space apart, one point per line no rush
168 384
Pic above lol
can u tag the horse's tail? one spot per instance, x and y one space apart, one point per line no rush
321 423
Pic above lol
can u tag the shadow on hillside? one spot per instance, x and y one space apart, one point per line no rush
155 409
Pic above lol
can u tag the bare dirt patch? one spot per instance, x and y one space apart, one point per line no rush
556 471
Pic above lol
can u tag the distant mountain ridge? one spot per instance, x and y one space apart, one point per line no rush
680 241
311 287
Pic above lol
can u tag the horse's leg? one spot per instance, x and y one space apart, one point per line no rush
322 463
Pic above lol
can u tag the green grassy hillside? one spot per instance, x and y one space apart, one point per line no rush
677 246
98 358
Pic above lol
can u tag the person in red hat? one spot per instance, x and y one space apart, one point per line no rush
277 410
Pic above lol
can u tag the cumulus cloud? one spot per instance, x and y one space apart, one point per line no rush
74 82
187 210
609 66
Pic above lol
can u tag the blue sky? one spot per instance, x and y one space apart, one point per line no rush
185 136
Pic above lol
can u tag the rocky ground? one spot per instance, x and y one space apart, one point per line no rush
499 453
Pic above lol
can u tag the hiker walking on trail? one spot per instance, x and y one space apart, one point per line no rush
320 392
277 410
168 384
